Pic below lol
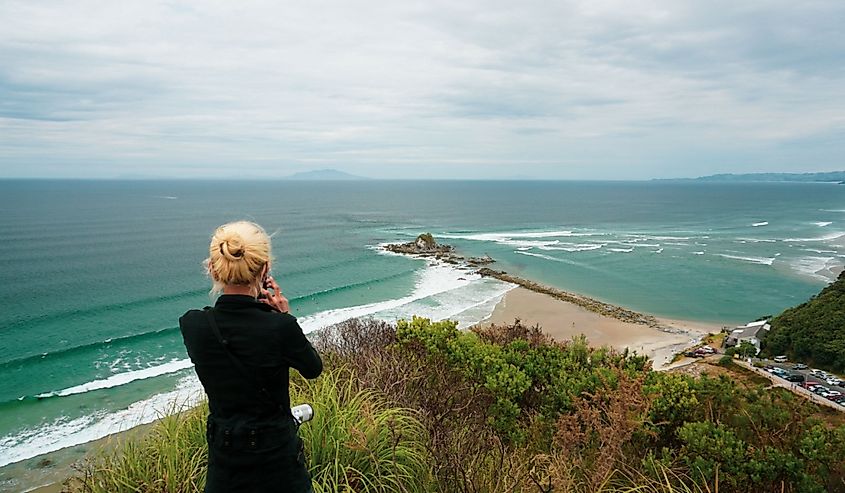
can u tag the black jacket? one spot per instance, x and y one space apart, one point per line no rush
268 343
252 441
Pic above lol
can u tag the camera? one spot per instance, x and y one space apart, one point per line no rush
302 413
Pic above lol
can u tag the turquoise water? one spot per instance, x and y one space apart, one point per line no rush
94 274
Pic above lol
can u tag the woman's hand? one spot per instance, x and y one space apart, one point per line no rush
275 298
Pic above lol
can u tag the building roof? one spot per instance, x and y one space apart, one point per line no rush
750 330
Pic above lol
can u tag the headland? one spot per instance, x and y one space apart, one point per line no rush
564 315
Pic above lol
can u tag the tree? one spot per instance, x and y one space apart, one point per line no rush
746 350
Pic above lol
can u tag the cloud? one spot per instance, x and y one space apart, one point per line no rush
591 89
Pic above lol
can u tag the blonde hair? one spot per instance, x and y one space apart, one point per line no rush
237 254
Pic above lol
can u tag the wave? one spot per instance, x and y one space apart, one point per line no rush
573 247
85 347
753 260
698 253
757 225
827 237
822 224
757 240
122 378
546 257
370 282
812 267
621 250
513 234
67 433
814 250
93 310
434 279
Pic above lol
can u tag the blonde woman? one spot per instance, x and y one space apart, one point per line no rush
242 349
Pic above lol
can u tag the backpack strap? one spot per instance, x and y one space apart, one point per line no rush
262 391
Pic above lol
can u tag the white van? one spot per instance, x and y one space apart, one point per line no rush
780 359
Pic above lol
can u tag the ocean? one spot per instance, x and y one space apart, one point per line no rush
95 274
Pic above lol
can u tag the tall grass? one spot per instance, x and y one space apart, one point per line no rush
357 442
170 457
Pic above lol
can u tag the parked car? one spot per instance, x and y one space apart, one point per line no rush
780 359
834 381
795 377
799 366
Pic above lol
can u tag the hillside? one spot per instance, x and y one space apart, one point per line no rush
829 176
813 331
325 175
422 407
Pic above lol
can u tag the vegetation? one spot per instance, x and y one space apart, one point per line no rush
814 331
424 407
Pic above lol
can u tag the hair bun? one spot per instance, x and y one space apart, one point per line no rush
232 248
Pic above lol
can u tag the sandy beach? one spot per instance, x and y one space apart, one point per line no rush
563 320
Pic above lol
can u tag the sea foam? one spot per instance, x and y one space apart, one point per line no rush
122 378
753 260
66 433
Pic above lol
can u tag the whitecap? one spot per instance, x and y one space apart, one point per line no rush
757 225
698 253
757 240
122 378
433 280
827 237
621 250
812 266
508 237
753 260
573 247
814 250
822 224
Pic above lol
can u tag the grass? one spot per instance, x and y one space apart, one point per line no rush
355 443
170 457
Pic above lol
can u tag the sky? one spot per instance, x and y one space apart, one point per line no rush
431 89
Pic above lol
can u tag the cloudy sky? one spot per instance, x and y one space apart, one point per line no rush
590 89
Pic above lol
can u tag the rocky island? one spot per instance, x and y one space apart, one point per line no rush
425 246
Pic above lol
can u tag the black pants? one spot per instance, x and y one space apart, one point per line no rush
255 457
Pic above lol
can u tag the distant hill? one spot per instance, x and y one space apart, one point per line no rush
829 176
812 332
325 174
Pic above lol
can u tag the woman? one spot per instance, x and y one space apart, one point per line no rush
242 350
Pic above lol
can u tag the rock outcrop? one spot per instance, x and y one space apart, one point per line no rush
426 246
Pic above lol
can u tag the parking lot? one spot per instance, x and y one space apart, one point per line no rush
819 383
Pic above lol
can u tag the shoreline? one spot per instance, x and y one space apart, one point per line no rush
560 314
562 319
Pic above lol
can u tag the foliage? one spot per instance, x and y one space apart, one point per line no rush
746 350
355 442
813 331
422 406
